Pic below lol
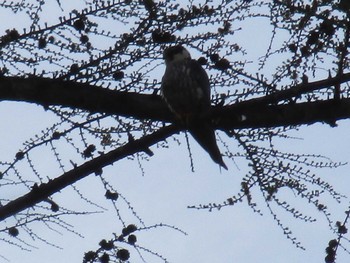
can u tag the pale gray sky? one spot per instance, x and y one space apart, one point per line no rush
234 234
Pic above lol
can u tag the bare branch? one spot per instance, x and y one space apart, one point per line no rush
282 115
49 92
254 113
43 191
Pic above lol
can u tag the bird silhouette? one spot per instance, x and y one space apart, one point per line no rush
186 90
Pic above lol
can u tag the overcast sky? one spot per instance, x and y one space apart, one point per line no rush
234 234
161 195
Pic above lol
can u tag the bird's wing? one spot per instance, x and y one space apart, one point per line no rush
202 80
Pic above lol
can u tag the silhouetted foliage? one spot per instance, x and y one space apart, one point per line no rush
95 66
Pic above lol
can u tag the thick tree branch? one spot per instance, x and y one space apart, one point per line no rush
254 113
283 115
42 192
48 92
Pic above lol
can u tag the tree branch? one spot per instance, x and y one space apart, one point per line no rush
294 91
328 111
50 92
254 113
43 191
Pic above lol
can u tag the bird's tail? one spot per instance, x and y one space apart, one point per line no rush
205 136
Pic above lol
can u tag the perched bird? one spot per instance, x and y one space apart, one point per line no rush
186 90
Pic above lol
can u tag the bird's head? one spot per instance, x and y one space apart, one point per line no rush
175 53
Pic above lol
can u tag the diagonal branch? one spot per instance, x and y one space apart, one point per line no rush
294 91
43 191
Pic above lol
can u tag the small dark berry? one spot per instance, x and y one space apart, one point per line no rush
19 155
104 258
111 195
74 68
131 228
13 34
51 39
54 207
214 57
118 75
106 245
13 231
162 37
42 43
333 243
123 254
56 135
329 259
89 150
222 64
132 239
293 48
89 256
79 24
202 61
84 39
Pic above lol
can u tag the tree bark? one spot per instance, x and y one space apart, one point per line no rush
51 92
254 113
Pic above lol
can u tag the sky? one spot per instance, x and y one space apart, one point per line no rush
234 234
163 192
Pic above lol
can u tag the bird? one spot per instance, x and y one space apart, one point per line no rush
185 89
